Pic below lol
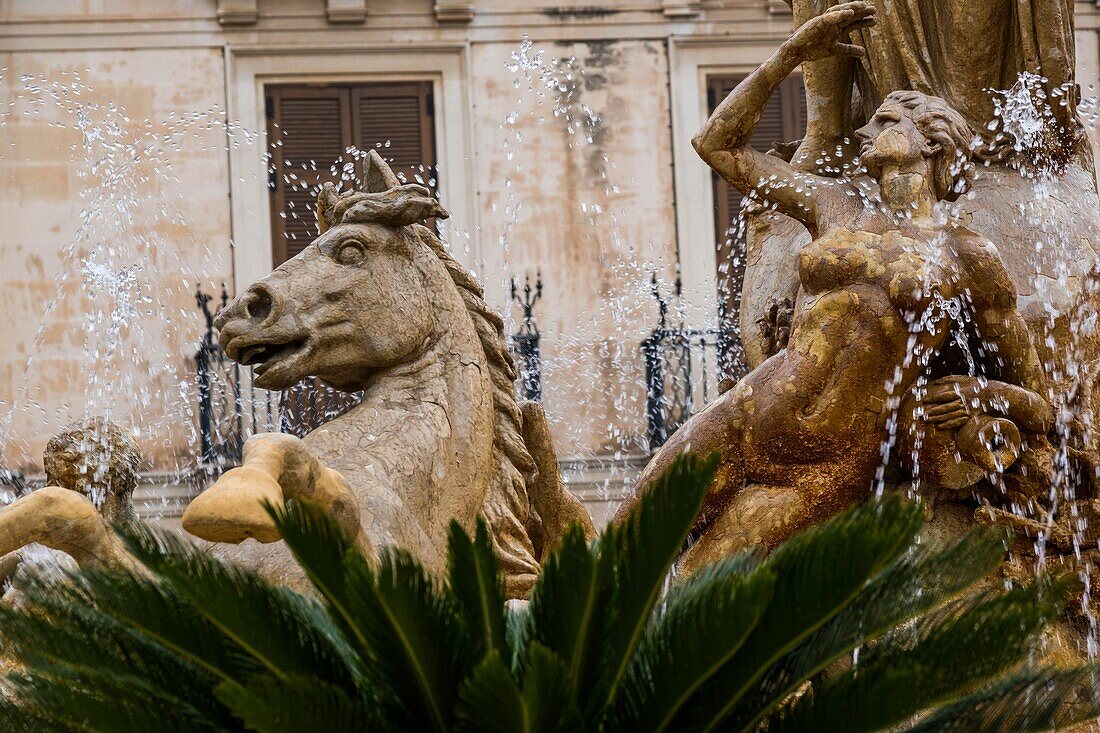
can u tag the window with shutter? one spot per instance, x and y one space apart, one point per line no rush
784 120
311 128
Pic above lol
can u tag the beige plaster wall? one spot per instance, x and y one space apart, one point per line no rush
585 196
166 215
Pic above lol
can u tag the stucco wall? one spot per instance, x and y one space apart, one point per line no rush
159 205
583 195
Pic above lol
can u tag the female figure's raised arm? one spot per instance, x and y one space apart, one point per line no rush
724 141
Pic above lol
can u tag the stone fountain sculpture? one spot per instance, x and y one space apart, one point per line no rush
910 336
376 303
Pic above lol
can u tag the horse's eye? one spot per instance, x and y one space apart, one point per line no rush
350 252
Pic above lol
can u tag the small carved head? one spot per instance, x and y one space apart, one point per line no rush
356 300
98 459
910 126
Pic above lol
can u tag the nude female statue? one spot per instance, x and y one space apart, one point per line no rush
801 435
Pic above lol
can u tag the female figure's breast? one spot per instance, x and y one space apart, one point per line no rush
839 259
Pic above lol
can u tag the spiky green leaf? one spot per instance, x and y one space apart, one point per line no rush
478 587
901 677
818 572
700 627
641 549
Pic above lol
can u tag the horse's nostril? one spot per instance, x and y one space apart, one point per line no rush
258 305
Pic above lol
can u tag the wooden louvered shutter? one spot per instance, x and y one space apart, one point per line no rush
784 120
396 120
313 125
310 129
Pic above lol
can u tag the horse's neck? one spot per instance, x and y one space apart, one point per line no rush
433 413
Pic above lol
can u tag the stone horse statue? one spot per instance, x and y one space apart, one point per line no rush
376 303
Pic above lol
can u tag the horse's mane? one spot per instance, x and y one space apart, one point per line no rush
520 470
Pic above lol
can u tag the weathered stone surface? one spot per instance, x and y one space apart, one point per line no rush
377 304
92 467
99 460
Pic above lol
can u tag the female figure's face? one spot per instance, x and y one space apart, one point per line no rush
891 140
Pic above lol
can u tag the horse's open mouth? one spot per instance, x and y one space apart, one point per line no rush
264 356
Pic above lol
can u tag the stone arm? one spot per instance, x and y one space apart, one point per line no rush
828 84
61 520
999 323
724 141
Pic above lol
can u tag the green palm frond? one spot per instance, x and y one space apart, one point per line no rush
478 586
491 687
1028 703
818 573
297 703
923 579
565 614
640 551
84 642
151 611
592 603
105 702
402 622
278 630
27 719
544 704
898 678
751 643
702 624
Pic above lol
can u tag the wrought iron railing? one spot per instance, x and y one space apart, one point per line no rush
684 368
525 341
230 407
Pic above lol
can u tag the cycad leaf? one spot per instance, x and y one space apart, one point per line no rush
152 611
26 719
81 640
642 548
490 700
106 703
565 613
818 572
548 693
296 704
953 654
703 622
284 632
1029 703
478 587
924 578
401 621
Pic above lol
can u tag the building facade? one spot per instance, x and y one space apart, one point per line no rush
557 135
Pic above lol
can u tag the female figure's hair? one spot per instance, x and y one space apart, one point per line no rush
944 126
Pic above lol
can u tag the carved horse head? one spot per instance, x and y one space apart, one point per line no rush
355 301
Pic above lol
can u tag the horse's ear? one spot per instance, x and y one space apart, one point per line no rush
377 174
326 207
